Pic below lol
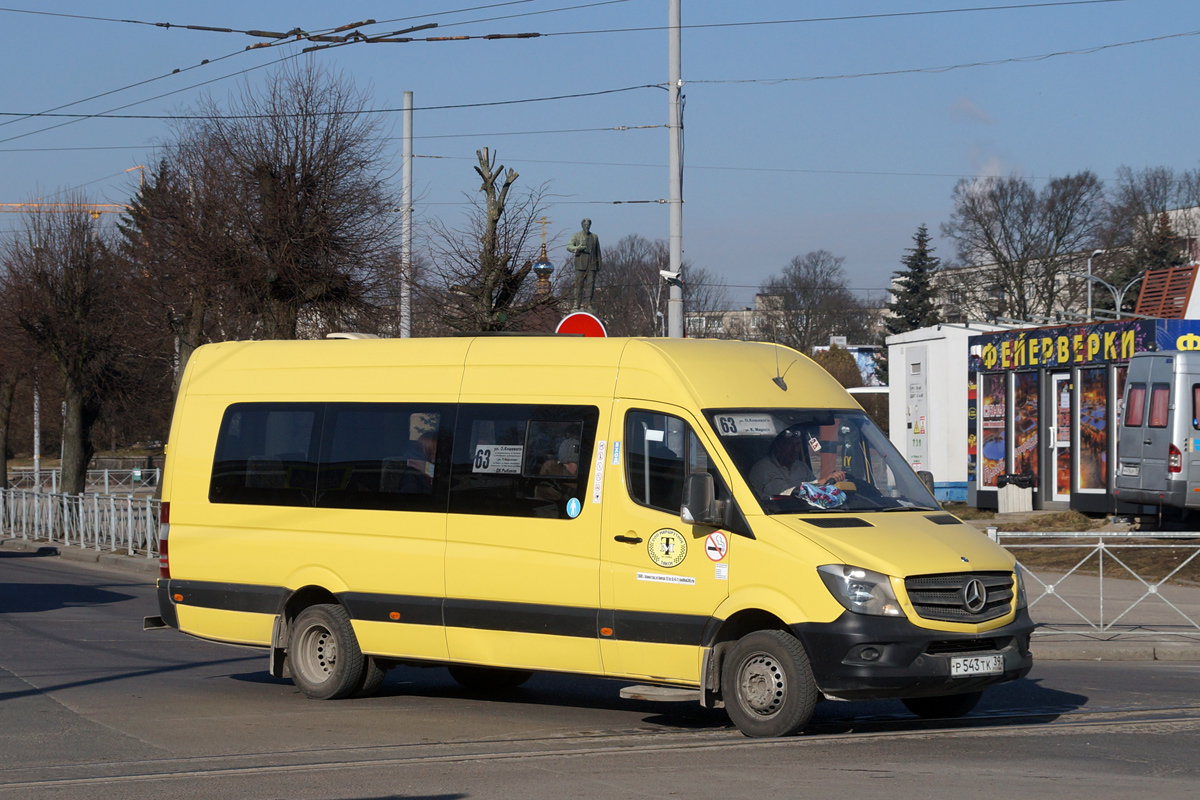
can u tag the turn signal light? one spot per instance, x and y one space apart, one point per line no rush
1174 460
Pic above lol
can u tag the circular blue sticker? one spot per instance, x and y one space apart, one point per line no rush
573 507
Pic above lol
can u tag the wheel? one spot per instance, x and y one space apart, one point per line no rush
374 671
945 707
488 679
323 653
767 684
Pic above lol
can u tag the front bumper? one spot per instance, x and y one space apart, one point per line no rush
912 662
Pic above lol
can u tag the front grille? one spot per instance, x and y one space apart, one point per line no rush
940 597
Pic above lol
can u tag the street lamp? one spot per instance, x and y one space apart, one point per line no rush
1118 294
1089 286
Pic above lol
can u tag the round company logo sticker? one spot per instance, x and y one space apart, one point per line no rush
716 546
667 547
573 507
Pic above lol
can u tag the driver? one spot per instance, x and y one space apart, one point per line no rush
786 465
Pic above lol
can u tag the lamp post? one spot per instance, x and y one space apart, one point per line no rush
1089 286
1118 294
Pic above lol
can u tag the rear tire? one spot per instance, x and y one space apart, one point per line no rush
768 685
946 707
488 679
374 672
323 653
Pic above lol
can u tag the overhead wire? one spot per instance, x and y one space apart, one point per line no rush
938 70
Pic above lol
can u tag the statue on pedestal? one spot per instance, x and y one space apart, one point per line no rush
586 247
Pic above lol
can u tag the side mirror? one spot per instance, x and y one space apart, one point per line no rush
927 479
700 506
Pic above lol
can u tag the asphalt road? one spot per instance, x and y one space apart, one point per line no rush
92 707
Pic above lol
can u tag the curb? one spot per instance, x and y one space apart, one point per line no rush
1115 651
121 561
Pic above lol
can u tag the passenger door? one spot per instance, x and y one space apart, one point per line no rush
661 579
522 551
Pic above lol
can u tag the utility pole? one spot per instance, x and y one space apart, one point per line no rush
406 223
675 126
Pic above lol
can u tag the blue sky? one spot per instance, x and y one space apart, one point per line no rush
773 168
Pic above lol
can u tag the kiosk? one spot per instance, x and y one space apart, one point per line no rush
1042 402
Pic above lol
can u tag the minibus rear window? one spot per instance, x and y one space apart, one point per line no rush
1160 399
332 455
267 454
1135 409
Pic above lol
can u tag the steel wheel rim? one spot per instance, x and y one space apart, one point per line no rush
318 654
762 685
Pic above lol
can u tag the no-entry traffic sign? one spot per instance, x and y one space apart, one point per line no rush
581 322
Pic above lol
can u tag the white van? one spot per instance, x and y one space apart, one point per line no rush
1159 435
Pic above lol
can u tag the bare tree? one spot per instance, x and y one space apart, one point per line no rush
283 200
1019 240
811 301
631 297
477 276
76 303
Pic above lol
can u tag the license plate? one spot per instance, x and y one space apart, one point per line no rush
1130 470
962 666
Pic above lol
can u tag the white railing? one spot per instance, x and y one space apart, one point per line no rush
125 524
106 481
1100 590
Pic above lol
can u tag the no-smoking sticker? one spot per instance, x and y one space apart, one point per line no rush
716 546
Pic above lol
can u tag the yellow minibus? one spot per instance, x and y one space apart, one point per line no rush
719 517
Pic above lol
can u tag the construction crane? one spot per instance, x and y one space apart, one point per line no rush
95 209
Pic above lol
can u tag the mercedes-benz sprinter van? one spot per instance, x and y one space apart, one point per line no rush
715 516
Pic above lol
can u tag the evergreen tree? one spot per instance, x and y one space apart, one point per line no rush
914 294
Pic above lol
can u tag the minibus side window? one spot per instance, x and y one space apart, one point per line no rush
267 454
1160 398
522 460
383 456
1135 409
1196 406
660 451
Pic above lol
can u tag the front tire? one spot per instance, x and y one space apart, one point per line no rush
946 707
323 653
768 685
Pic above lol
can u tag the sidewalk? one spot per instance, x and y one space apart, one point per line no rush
1057 638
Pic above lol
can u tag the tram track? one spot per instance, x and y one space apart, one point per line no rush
1026 722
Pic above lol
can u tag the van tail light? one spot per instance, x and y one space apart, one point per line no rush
164 527
1174 460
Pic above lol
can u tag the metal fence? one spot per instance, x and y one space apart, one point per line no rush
1094 585
106 481
1091 587
125 524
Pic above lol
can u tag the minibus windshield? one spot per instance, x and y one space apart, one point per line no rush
800 460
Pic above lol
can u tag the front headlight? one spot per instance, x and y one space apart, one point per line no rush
1021 601
861 590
